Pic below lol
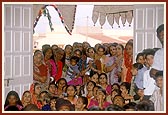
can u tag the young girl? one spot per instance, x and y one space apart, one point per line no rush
60 84
71 94
13 99
81 104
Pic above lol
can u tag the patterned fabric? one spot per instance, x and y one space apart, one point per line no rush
72 72
112 13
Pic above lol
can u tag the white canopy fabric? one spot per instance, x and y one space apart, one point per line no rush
112 13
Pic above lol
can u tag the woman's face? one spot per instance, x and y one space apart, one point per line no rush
48 54
91 53
140 92
12 100
123 89
90 86
100 51
100 95
60 54
141 60
113 50
52 89
119 50
79 104
68 50
95 89
37 89
61 84
134 71
94 78
27 97
71 91
102 79
38 58
129 50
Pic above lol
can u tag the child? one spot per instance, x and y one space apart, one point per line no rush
136 83
13 100
157 96
73 72
137 67
73 69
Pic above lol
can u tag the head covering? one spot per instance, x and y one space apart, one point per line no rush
62 102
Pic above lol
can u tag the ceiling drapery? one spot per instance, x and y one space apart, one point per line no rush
112 13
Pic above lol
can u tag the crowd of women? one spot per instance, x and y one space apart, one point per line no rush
84 78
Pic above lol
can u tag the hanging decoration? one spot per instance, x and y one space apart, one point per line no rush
112 13
102 19
129 16
110 19
62 12
123 18
117 17
37 18
95 17
62 20
46 13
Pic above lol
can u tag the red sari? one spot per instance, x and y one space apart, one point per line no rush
127 66
59 66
